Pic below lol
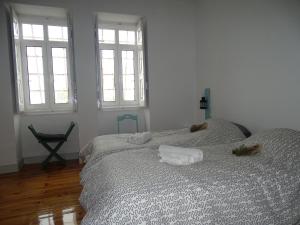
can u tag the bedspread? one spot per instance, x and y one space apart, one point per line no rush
133 187
218 131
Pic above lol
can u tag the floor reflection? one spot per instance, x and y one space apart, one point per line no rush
46 219
68 218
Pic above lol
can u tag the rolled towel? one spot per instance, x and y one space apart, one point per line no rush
179 156
139 138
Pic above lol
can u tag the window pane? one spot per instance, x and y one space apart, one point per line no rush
108 66
128 75
108 82
37 97
128 82
33 32
107 54
128 87
108 76
61 97
128 95
127 62
35 64
126 37
107 62
60 75
35 75
61 83
106 36
36 82
109 95
59 52
58 33
59 65
33 51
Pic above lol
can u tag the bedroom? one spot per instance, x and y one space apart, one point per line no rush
246 52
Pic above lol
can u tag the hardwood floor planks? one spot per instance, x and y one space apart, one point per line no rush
34 196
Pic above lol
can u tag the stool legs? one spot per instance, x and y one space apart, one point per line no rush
53 153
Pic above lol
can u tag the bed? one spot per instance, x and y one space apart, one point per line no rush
218 131
133 187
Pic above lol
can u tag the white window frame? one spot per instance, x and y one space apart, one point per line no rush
47 45
118 48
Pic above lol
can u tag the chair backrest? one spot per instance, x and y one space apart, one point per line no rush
128 117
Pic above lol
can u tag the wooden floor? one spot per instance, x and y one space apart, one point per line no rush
35 196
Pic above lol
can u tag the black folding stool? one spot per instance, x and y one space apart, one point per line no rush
44 139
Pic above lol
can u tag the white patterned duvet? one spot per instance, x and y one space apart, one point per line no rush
133 187
219 131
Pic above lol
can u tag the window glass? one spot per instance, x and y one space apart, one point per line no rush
33 32
108 76
60 75
106 36
128 75
57 33
126 37
35 75
121 65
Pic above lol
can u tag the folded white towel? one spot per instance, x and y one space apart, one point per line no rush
139 138
179 156
168 149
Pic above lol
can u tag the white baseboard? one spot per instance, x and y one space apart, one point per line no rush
12 167
32 160
9 168
39 159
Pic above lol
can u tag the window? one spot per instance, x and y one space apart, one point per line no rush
42 62
121 63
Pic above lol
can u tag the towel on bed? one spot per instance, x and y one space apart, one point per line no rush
139 138
179 156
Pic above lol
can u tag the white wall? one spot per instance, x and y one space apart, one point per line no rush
34 152
249 55
17 129
247 52
8 147
171 61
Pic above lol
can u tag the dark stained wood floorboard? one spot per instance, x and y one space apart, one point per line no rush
46 197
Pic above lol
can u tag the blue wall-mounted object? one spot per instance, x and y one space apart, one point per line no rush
207 97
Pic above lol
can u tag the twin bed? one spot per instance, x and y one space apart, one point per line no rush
126 184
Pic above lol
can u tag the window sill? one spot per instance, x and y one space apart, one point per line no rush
46 113
127 108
